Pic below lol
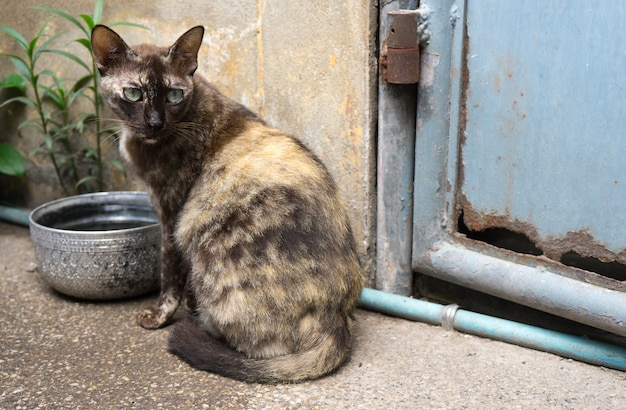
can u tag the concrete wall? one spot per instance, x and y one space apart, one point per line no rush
306 67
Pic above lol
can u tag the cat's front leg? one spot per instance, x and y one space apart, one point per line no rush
173 278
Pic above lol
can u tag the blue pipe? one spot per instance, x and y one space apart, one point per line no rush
14 215
450 317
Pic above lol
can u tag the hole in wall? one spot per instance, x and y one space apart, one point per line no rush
520 243
612 270
502 238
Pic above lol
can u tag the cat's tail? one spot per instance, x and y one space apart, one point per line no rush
200 350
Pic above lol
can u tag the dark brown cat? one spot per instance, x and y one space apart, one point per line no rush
252 223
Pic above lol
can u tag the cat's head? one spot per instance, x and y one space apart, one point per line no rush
148 87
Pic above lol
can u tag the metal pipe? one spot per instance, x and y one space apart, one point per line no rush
572 347
395 158
539 286
14 215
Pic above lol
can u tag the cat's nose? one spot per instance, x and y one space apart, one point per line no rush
155 121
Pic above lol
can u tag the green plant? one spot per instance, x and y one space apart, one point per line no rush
78 164
11 161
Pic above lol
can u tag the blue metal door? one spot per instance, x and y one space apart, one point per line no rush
544 127
519 147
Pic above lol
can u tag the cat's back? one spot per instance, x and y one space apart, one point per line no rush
268 156
260 183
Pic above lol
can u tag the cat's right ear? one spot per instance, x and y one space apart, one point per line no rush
108 48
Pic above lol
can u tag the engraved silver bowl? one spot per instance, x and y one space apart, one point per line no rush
104 245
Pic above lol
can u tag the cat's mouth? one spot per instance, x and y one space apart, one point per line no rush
152 137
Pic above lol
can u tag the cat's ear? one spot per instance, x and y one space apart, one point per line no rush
108 48
184 52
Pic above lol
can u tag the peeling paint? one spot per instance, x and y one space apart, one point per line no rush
582 242
429 63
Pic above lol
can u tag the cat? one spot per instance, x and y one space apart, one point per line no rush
254 233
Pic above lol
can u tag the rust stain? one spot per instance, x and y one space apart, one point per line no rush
352 133
465 94
497 83
581 242
480 221
400 57
332 60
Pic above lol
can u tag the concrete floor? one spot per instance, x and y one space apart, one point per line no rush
57 352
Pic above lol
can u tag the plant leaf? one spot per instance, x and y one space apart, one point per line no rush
97 11
47 73
82 83
13 81
90 151
31 46
118 165
21 66
11 161
84 180
42 28
66 16
44 47
70 56
88 20
21 99
16 36
31 123
85 42
128 24
56 96
49 141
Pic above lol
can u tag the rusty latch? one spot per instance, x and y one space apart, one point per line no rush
400 59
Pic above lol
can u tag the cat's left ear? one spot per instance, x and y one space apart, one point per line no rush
184 52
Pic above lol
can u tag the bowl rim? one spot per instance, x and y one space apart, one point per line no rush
35 214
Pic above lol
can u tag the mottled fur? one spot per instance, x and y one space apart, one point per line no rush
252 223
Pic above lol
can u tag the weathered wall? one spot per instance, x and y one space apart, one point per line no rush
306 67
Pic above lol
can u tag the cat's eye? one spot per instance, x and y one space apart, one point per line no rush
132 94
175 96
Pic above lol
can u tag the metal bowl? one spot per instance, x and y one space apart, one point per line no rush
98 246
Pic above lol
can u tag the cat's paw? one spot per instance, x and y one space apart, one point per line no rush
150 317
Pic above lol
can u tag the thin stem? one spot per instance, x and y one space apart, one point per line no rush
68 145
44 122
96 106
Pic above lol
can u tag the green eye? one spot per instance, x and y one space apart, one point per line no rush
175 96
132 94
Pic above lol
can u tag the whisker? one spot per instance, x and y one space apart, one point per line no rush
108 143
188 130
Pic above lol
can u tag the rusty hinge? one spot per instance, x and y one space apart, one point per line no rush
400 57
